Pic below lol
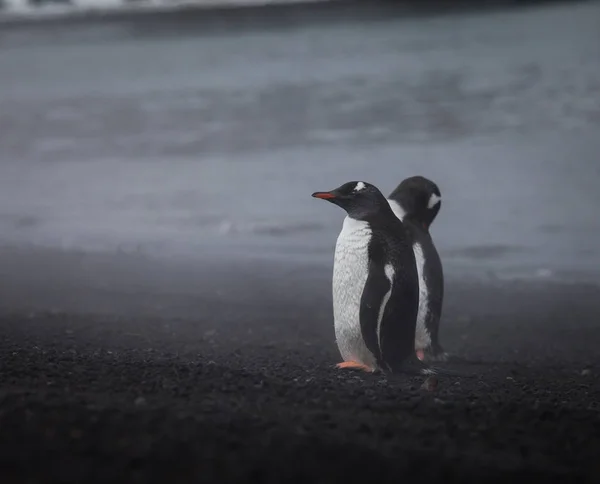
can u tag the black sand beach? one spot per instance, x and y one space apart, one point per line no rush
243 390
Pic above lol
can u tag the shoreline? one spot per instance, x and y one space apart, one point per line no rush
130 284
255 11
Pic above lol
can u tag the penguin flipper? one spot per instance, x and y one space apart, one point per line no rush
372 305
398 325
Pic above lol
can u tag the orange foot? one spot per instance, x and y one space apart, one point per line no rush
421 354
353 365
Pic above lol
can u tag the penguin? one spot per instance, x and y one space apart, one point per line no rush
375 283
416 201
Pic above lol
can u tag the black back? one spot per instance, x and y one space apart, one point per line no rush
433 275
390 244
413 195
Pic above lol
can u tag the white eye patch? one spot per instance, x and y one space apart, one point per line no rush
433 201
359 186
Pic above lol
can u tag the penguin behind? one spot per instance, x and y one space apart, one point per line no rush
417 201
375 281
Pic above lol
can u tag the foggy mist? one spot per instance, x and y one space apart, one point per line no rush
209 145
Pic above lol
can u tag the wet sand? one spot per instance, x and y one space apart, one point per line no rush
233 381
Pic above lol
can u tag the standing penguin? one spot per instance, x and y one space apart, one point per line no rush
416 201
375 282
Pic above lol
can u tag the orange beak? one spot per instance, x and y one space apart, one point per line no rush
323 195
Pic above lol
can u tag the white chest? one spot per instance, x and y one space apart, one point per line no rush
422 336
350 271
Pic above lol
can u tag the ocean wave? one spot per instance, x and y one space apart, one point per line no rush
41 9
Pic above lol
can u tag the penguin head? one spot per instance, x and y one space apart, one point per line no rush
360 200
420 198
